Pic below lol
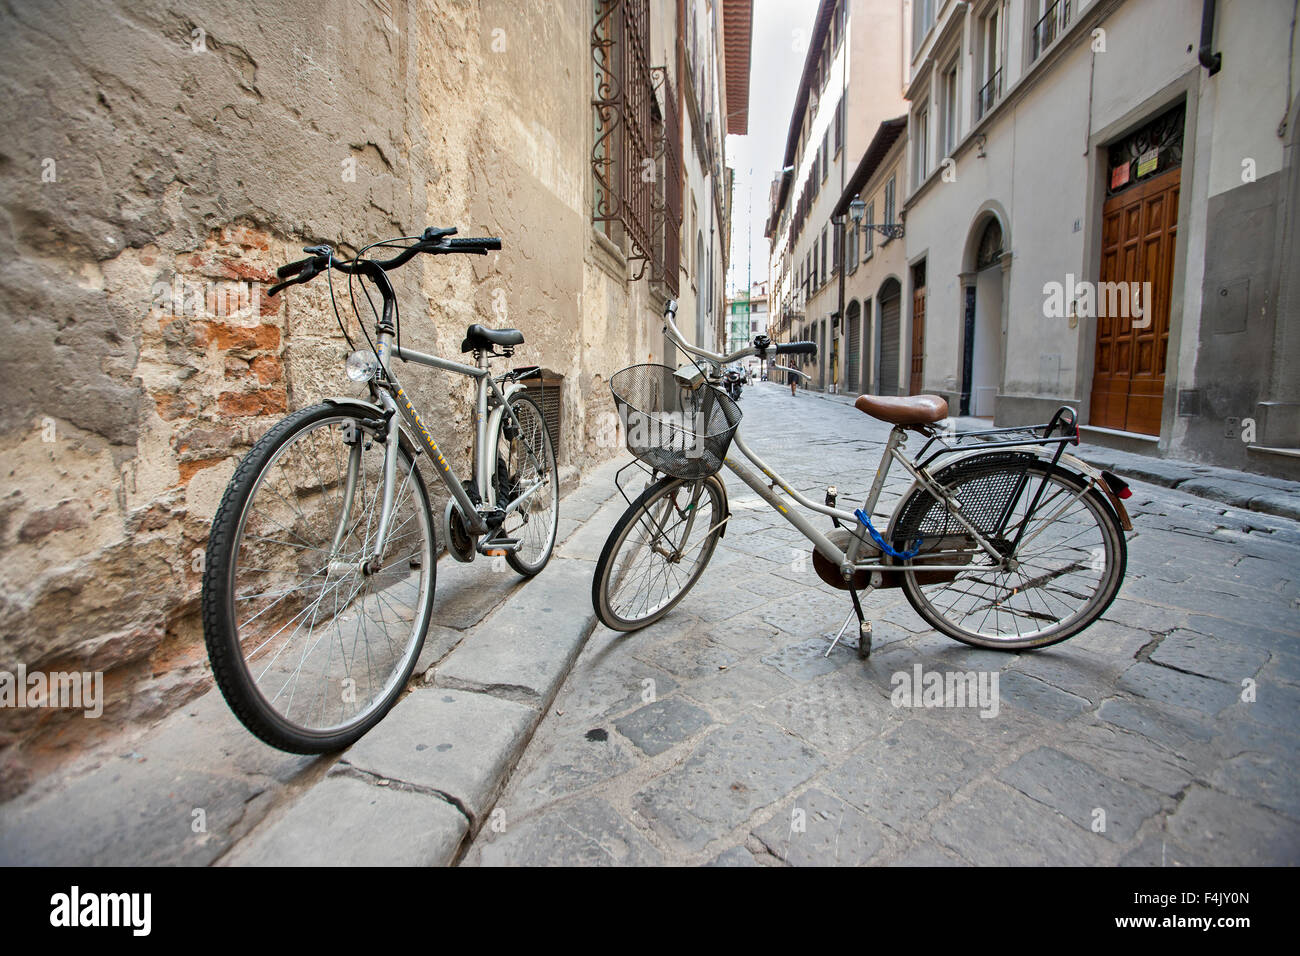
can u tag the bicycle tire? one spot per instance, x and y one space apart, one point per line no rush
221 631
631 518
909 520
501 474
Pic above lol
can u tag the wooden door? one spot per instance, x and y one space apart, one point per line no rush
1139 233
918 341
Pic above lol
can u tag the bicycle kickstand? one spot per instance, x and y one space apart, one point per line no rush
864 626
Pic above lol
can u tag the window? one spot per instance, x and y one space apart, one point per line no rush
990 61
837 251
851 246
623 126
889 203
839 126
868 234
825 244
826 140
921 143
949 91
922 20
1049 19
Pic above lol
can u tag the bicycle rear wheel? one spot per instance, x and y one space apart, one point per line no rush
526 460
1065 572
657 551
309 647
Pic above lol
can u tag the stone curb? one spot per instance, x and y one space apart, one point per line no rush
1239 489
417 788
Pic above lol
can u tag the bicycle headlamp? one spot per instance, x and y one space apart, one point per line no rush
362 366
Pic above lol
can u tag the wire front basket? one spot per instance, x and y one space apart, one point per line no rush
679 430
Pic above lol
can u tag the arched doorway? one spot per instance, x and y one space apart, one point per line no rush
853 347
890 309
982 348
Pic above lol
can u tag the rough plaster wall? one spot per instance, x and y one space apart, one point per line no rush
199 171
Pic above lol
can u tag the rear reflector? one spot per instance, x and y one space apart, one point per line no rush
1117 484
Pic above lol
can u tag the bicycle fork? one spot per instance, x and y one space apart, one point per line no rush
355 437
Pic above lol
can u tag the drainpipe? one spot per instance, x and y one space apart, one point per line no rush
839 315
1212 62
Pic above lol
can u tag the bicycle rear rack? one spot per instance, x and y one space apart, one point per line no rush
1018 436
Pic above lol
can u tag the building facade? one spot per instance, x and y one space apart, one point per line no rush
1101 212
875 266
160 168
851 82
747 317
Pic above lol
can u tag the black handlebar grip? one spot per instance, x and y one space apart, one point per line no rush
293 268
474 244
796 348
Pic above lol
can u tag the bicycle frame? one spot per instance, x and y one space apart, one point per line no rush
851 560
392 403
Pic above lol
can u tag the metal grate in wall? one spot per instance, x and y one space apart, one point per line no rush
549 395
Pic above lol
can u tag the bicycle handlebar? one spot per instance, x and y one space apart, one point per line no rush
433 241
760 347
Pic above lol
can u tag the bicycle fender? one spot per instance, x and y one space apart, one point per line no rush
490 433
1094 473
343 401
726 505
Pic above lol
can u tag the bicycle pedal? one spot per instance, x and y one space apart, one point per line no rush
498 547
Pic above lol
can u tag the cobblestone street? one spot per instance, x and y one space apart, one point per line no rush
1165 734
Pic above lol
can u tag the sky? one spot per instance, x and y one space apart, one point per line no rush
778 47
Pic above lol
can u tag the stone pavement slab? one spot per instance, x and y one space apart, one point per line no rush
343 821
456 743
1233 832
657 727
525 649
582 833
733 772
129 813
1081 793
818 829
999 826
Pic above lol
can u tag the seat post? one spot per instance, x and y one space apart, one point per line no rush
897 437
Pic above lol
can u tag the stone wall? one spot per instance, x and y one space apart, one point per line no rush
159 164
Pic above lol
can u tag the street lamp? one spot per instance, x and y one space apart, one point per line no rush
857 209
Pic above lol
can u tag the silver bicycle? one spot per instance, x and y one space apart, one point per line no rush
319 580
1002 541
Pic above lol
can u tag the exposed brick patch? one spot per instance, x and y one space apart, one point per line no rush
230 268
267 401
171 406
189 468
237 338
268 369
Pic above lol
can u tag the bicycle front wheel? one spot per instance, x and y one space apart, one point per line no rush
1063 574
309 644
657 551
